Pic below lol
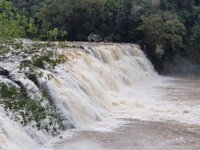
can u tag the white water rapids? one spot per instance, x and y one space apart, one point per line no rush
95 87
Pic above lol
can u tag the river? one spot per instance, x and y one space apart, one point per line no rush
110 98
172 121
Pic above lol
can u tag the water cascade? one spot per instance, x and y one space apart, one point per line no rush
88 87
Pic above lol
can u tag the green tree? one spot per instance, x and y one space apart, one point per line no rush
31 27
163 37
194 45
53 34
11 23
177 4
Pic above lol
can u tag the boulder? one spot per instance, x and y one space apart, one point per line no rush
4 72
94 38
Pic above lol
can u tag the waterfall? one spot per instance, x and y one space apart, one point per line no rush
84 87
88 87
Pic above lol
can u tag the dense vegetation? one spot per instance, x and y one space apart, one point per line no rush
167 30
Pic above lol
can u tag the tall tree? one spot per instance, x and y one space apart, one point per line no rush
162 37
11 23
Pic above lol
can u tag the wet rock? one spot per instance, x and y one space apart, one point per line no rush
19 83
94 38
14 79
4 72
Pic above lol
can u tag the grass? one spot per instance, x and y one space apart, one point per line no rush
18 101
40 61
27 111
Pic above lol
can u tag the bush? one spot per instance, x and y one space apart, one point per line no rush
53 34
17 101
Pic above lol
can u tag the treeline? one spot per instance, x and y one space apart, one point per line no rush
167 30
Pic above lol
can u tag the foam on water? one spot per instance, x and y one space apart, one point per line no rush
13 136
97 85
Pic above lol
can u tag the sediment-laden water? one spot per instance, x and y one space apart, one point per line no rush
174 127
109 97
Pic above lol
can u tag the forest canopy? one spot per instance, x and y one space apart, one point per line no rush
167 30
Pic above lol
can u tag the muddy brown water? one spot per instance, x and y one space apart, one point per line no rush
147 135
